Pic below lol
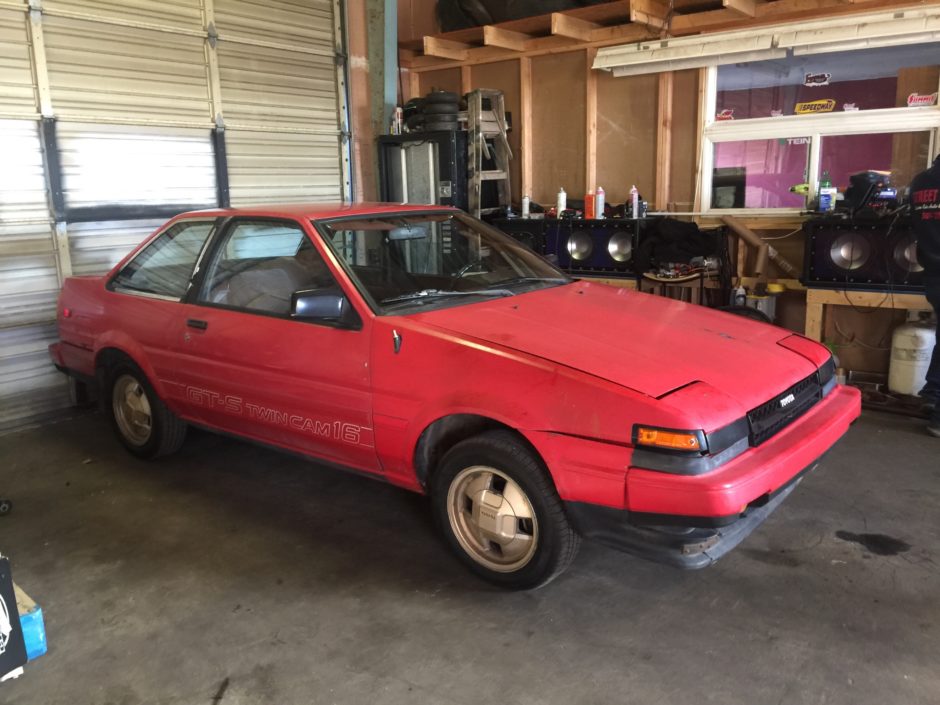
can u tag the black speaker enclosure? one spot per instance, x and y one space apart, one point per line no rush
862 255
599 247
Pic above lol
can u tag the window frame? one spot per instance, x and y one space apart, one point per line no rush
815 127
117 289
219 241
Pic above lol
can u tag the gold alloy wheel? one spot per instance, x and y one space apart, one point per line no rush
492 518
132 410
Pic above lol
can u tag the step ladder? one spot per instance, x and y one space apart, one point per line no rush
486 137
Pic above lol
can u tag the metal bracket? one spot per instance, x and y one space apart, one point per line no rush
345 136
212 35
35 5
340 59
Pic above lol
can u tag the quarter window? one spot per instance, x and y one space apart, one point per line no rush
165 267
261 264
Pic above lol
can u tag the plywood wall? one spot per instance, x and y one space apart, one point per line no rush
443 80
558 117
685 140
626 134
504 76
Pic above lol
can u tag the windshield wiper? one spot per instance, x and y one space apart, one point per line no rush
532 280
428 294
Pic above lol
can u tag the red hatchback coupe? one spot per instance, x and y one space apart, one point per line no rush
425 348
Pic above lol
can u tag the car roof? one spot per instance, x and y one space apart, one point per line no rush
317 211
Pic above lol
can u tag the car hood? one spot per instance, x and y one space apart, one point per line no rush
647 343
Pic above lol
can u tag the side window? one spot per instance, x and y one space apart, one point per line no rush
261 264
166 265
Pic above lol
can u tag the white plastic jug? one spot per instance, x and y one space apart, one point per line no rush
911 347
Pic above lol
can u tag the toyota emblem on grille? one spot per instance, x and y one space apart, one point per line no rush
787 400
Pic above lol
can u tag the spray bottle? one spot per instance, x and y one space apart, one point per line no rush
525 206
634 202
562 203
599 197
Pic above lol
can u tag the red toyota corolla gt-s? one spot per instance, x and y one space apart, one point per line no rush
425 348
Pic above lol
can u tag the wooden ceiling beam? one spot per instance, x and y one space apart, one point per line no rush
567 26
445 48
649 13
505 38
744 8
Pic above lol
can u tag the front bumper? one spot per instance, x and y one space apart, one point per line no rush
689 547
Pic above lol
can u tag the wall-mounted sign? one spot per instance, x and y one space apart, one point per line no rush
816 79
726 114
826 105
916 100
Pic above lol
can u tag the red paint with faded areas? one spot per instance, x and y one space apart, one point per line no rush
571 368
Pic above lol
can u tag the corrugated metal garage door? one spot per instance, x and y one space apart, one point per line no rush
277 60
136 104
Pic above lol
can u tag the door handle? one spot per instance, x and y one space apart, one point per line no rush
197 324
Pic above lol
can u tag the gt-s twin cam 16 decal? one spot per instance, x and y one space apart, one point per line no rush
342 431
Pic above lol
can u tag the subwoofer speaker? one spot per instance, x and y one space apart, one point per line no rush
864 255
601 247
530 232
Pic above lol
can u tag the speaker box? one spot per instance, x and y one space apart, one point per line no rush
600 247
863 255
530 232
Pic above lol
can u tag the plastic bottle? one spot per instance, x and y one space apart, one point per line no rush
634 202
599 198
526 202
739 296
589 205
562 203
827 194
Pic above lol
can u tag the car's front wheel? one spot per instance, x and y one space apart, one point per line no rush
143 423
499 512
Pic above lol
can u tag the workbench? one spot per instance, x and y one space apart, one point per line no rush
818 299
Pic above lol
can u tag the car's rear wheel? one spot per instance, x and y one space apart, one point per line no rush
499 512
143 423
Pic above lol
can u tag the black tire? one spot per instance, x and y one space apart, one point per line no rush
166 431
441 118
554 544
440 126
415 122
441 97
440 109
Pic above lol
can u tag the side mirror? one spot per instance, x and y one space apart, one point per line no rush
329 307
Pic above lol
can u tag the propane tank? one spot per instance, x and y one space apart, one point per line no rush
911 347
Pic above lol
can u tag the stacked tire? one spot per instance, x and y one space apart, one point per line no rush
436 112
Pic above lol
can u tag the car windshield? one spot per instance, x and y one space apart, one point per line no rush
417 261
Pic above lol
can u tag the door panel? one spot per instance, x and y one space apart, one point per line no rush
248 368
293 384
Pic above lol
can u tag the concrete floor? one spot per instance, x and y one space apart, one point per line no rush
231 574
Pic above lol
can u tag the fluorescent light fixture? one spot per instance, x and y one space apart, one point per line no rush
718 48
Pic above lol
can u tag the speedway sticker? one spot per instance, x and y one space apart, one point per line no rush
816 79
826 105
916 100
726 114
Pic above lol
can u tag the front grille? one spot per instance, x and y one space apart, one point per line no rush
773 416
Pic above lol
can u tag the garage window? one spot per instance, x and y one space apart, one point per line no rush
777 123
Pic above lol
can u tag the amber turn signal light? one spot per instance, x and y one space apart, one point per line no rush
669 439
